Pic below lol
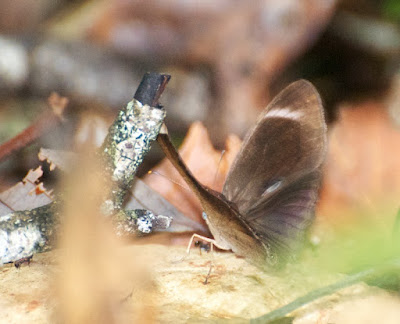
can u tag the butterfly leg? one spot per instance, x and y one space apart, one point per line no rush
212 243
203 238
190 246
208 240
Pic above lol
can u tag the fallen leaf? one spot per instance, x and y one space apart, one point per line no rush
25 195
362 171
57 158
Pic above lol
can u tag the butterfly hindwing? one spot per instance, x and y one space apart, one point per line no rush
275 178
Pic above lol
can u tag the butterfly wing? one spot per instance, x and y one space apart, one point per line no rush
275 178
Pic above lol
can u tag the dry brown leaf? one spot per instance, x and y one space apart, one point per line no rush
362 171
393 100
61 159
202 159
25 195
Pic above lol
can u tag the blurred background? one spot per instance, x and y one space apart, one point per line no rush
227 60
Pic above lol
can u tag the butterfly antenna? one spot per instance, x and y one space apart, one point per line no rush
173 181
217 172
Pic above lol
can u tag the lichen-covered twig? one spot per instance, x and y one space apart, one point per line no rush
130 138
139 221
128 141
23 233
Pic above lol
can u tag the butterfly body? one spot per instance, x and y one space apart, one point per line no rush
232 233
268 200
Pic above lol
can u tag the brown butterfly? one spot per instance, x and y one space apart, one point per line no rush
268 200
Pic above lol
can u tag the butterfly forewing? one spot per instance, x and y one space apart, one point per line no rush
275 178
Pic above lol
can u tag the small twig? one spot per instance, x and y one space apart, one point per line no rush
208 274
27 232
151 88
325 291
130 137
41 125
